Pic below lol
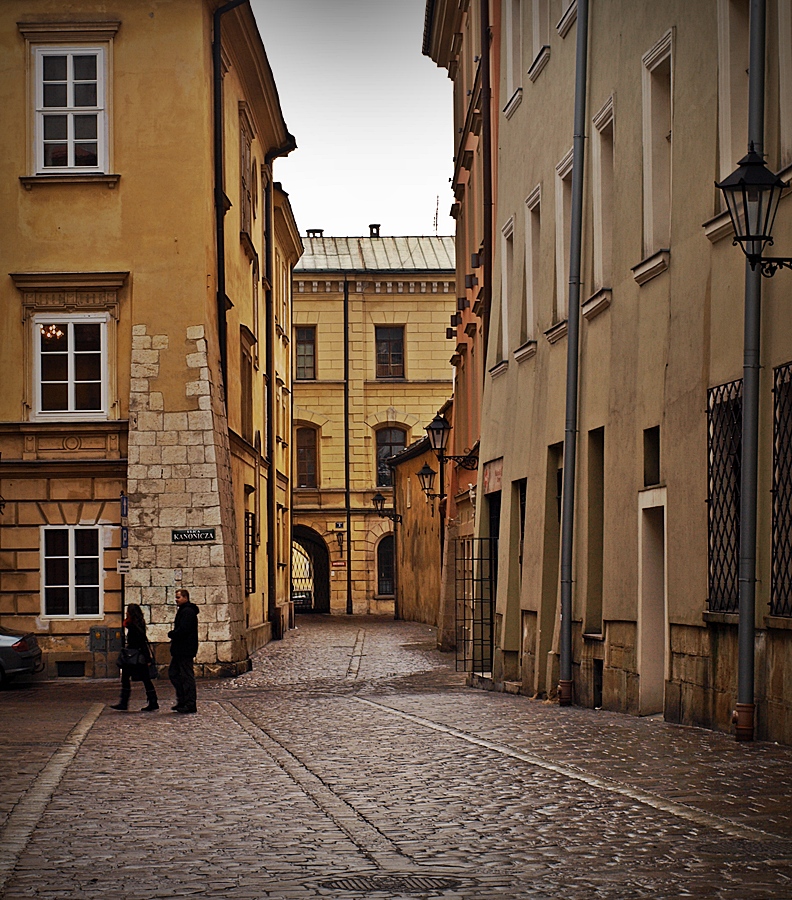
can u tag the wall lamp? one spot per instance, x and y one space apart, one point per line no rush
752 193
439 430
426 476
340 535
379 505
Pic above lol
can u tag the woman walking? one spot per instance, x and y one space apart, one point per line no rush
136 640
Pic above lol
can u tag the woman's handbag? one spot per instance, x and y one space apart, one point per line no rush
129 656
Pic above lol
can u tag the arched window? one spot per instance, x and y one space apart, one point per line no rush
306 458
385 579
389 442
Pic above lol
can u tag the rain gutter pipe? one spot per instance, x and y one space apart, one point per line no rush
573 361
486 170
219 195
347 491
269 438
744 714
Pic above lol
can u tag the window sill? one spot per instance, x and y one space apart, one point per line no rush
567 20
542 58
718 227
596 303
514 102
651 267
526 351
557 332
30 180
499 368
593 637
780 622
719 618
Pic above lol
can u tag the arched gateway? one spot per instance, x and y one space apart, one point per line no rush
310 571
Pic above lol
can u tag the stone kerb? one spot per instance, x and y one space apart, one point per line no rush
180 476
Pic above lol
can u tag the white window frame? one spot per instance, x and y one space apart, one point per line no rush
533 226
507 279
71 586
733 53
785 82
513 38
55 318
603 182
540 37
563 216
657 158
100 110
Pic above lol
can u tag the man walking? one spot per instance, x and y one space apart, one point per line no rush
184 646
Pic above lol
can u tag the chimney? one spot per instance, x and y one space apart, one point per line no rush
315 232
374 230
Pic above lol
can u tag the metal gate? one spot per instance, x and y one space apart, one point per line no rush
476 575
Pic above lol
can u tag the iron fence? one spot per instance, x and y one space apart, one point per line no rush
724 427
476 566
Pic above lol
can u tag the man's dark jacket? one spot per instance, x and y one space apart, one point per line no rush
184 637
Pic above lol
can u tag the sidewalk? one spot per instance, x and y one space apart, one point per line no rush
353 762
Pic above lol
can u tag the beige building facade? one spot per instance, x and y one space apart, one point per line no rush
370 370
133 288
656 525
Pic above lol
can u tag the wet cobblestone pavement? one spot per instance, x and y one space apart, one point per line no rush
352 762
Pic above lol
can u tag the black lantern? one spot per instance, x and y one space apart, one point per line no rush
379 502
426 476
438 430
752 193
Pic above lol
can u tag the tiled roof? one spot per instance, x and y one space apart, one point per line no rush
377 254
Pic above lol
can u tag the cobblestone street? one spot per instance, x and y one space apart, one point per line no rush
353 762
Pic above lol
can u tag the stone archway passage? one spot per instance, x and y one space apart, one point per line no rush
315 576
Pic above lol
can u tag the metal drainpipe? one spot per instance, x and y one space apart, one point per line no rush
269 362
219 196
573 362
486 172
744 713
347 489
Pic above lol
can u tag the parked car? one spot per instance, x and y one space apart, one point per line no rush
20 654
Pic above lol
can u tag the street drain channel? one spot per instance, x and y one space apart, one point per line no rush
403 884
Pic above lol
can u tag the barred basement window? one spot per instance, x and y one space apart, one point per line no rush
781 590
250 552
724 429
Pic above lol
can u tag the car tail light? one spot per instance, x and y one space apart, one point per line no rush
21 646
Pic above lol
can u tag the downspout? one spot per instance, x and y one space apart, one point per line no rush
486 172
573 361
744 713
219 195
269 363
347 488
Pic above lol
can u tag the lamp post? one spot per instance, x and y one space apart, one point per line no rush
752 193
379 505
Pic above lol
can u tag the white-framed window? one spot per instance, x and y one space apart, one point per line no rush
512 10
603 171
657 85
507 281
785 82
70 366
533 226
71 572
733 47
71 112
540 37
563 218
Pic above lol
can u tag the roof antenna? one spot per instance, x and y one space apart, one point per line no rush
437 213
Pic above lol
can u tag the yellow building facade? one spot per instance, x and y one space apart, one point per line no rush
136 282
370 370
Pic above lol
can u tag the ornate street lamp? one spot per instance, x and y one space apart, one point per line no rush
752 193
379 505
438 430
426 476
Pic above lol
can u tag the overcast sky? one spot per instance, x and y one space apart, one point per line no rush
372 116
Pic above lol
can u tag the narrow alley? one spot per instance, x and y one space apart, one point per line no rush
352 762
